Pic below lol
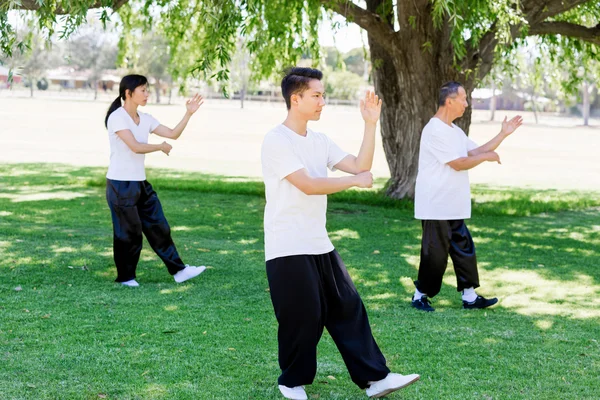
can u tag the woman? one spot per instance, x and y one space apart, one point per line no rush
133 203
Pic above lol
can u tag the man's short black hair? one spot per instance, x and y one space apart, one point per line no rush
296 80
448 89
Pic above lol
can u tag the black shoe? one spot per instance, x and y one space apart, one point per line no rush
480 302
422 304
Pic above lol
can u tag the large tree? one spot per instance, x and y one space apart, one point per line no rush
415 45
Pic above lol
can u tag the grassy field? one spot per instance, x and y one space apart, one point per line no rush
67 331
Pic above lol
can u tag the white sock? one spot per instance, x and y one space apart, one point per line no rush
418 295
469 295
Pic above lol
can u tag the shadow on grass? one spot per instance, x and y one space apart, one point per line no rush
72 333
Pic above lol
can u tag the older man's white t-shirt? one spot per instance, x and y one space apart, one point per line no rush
295 222
125 165
442 193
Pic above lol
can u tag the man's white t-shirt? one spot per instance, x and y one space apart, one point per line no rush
125 165
295 222
442 193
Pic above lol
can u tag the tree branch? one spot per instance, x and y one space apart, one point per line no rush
33 5
537 11
591 35
369 21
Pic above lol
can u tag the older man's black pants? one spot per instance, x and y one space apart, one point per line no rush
312 292
440 239
135 208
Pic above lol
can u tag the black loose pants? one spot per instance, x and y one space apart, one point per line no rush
135 208
440 239
312 292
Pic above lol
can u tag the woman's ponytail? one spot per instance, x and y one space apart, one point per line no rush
115 104
129 82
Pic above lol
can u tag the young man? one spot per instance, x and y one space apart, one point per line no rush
309 284
443 199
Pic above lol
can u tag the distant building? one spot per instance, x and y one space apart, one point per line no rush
4 72
506 100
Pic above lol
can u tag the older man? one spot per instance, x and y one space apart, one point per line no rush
443 199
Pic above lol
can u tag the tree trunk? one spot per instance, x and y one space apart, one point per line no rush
157 85
95 90
243 95
493 102
410 100
586 104
534 106
170 92
31 87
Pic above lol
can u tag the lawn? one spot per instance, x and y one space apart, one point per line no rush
67 331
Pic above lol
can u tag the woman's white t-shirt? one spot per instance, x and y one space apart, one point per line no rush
294 221
125 165
441 192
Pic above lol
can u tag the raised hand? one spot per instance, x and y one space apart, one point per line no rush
370 107
193 104
509 127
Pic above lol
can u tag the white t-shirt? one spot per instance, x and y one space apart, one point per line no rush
294 221
442 193
125 165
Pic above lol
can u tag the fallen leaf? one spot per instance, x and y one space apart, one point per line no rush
70 267
331 377
31 385
204 333
45 316
376 252
145 372
102 396
18 289
231 349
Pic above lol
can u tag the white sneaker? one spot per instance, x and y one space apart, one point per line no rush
131 283
188 272
296 393
389 384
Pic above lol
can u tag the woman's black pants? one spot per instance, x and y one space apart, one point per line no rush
135 209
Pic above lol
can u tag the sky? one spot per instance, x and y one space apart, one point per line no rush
347 37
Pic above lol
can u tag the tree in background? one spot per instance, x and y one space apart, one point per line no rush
343 85
240 71
357 61
415 45
32 58
91 49
154 60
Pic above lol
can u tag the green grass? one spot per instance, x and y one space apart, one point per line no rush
71 333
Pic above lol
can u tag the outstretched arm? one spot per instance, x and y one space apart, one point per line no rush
464 163
508 127
318 186
142 148
370 108
192 105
